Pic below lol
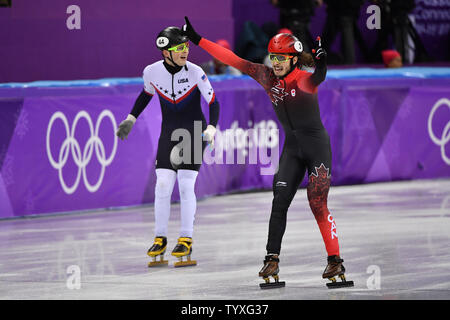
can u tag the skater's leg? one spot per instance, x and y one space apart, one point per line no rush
165 181
317 191
188 207
188 201
285 183
318 159
317 155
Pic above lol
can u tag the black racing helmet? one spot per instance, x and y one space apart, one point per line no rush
169 37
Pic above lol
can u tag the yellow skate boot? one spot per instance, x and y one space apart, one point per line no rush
158 249
183 249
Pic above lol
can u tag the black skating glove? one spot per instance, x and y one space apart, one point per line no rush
190 32
320 60
319 53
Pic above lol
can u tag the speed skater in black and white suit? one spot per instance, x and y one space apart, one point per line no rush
179 85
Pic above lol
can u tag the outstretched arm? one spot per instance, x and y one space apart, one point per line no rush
217 51
257 71
224 55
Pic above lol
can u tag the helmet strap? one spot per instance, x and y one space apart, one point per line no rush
175 66
171 59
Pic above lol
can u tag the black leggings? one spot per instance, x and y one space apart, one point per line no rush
165 146
313 155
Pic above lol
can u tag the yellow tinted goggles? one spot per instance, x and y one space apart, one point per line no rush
279 57
180 47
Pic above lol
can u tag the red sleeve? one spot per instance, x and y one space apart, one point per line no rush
306 84
257 71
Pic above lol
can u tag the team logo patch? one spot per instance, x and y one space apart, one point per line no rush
278 93
321 172
281 184
293 92
204 77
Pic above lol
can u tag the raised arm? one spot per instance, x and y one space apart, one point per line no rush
224 55
259 72
320 59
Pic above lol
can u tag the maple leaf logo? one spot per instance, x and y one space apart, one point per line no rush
318 185
278 93
322 172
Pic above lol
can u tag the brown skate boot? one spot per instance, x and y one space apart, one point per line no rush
270 268
333 269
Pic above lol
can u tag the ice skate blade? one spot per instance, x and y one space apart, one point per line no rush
158 263
185 263
341 284
272 285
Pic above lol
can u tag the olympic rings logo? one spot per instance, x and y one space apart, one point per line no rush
81 159
445 136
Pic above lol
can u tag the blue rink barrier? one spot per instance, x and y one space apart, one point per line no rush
360 73
384 125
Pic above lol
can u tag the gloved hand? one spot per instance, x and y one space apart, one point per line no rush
209 134
319 53
124 128
190 32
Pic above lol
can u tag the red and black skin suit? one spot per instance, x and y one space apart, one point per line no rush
307 144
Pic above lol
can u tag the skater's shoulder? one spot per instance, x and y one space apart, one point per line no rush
154 66
193 68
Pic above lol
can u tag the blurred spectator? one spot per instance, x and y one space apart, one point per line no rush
270 28
5 3
296 15
215 66
395 22
342 15
252 43
392 59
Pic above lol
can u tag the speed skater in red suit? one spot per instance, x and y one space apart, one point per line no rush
293 93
